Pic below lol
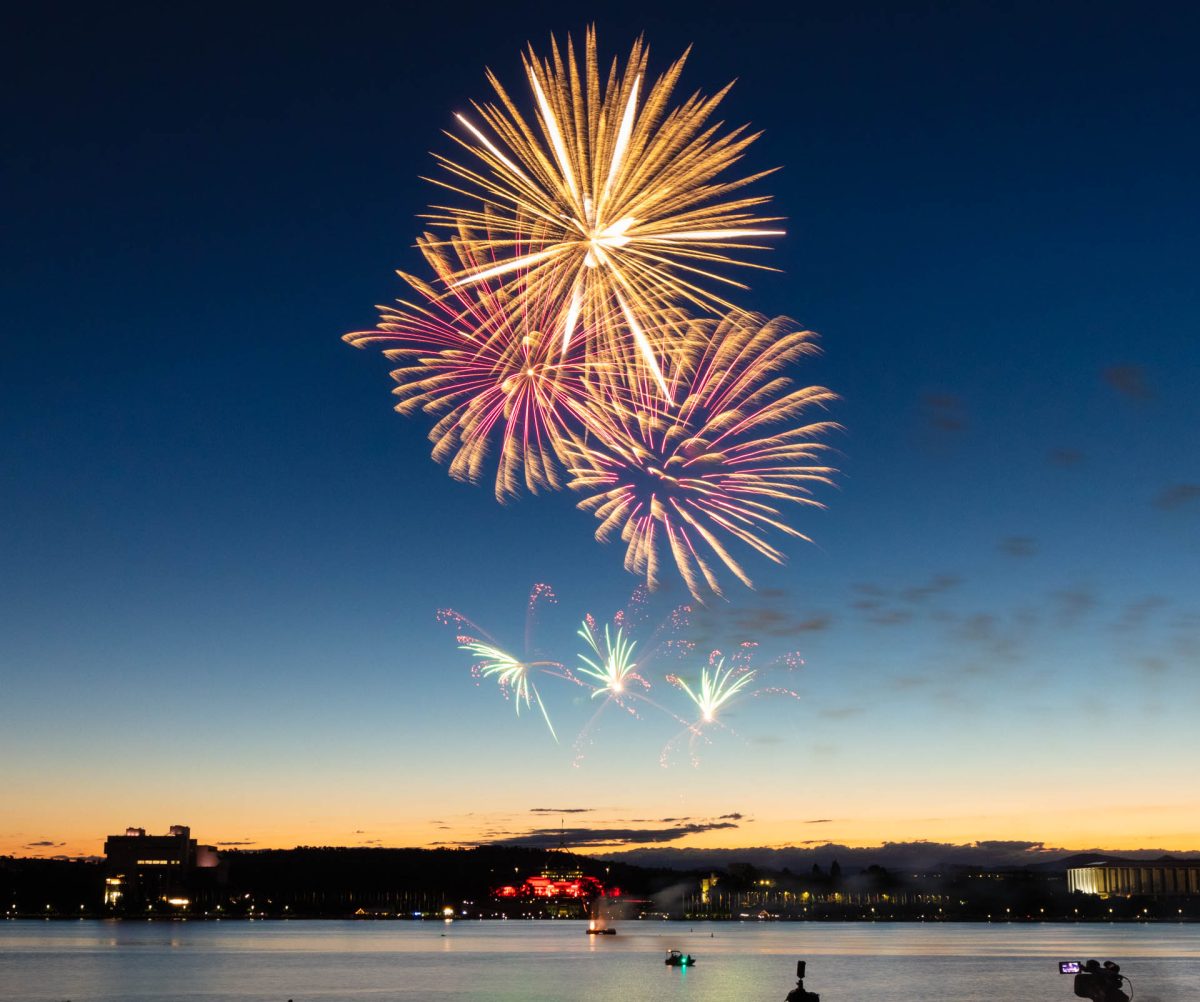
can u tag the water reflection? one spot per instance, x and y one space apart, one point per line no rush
558 962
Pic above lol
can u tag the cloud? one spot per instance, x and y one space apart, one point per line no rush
944 412
907 682
979 628
841 712
879 605
561 810
893 617
44 844
778 623
243 842
1018 546
1176 496
578 838
1153 665
761 618
1066 457
818 821
735 816
935 586
1129 381
1073 604
1136 613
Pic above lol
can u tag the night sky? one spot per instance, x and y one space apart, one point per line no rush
222 552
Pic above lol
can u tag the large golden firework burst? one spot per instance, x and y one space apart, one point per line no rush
573 334
718 467
610 202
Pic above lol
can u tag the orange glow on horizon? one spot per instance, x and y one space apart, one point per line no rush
1174 829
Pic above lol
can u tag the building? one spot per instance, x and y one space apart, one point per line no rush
1127 877
567 884
148 872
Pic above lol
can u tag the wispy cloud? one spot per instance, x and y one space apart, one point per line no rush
1066 457
609 837
561 810
1129 381
1177 496
1018 546
944 412
597 837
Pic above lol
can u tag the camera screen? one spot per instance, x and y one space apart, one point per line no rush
1068 967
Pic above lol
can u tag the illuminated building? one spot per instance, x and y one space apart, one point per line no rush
562 885
1125 878
147 870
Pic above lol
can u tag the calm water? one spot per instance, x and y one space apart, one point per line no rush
92 961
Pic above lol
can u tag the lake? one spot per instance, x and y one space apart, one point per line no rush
549 961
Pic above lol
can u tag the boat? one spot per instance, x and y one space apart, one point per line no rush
602 932
677 959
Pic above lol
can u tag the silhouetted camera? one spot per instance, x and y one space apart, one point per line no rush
1096 981
798 994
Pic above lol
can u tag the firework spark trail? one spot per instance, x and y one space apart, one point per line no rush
717 687
572 336
541 594
612 203
723 681
513 675
491 373
615 667
718 466
560 347
612 664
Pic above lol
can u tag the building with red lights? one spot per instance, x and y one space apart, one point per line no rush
566 890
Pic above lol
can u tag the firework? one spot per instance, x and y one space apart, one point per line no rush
514 675
717 468
489 370
619 668
718 685
612 203
613 665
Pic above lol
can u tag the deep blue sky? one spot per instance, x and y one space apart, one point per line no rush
222 551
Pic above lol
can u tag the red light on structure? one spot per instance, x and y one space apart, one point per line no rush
549 887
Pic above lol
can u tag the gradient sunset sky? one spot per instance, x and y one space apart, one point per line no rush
223 553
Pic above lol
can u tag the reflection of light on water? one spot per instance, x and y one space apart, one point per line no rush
852 963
